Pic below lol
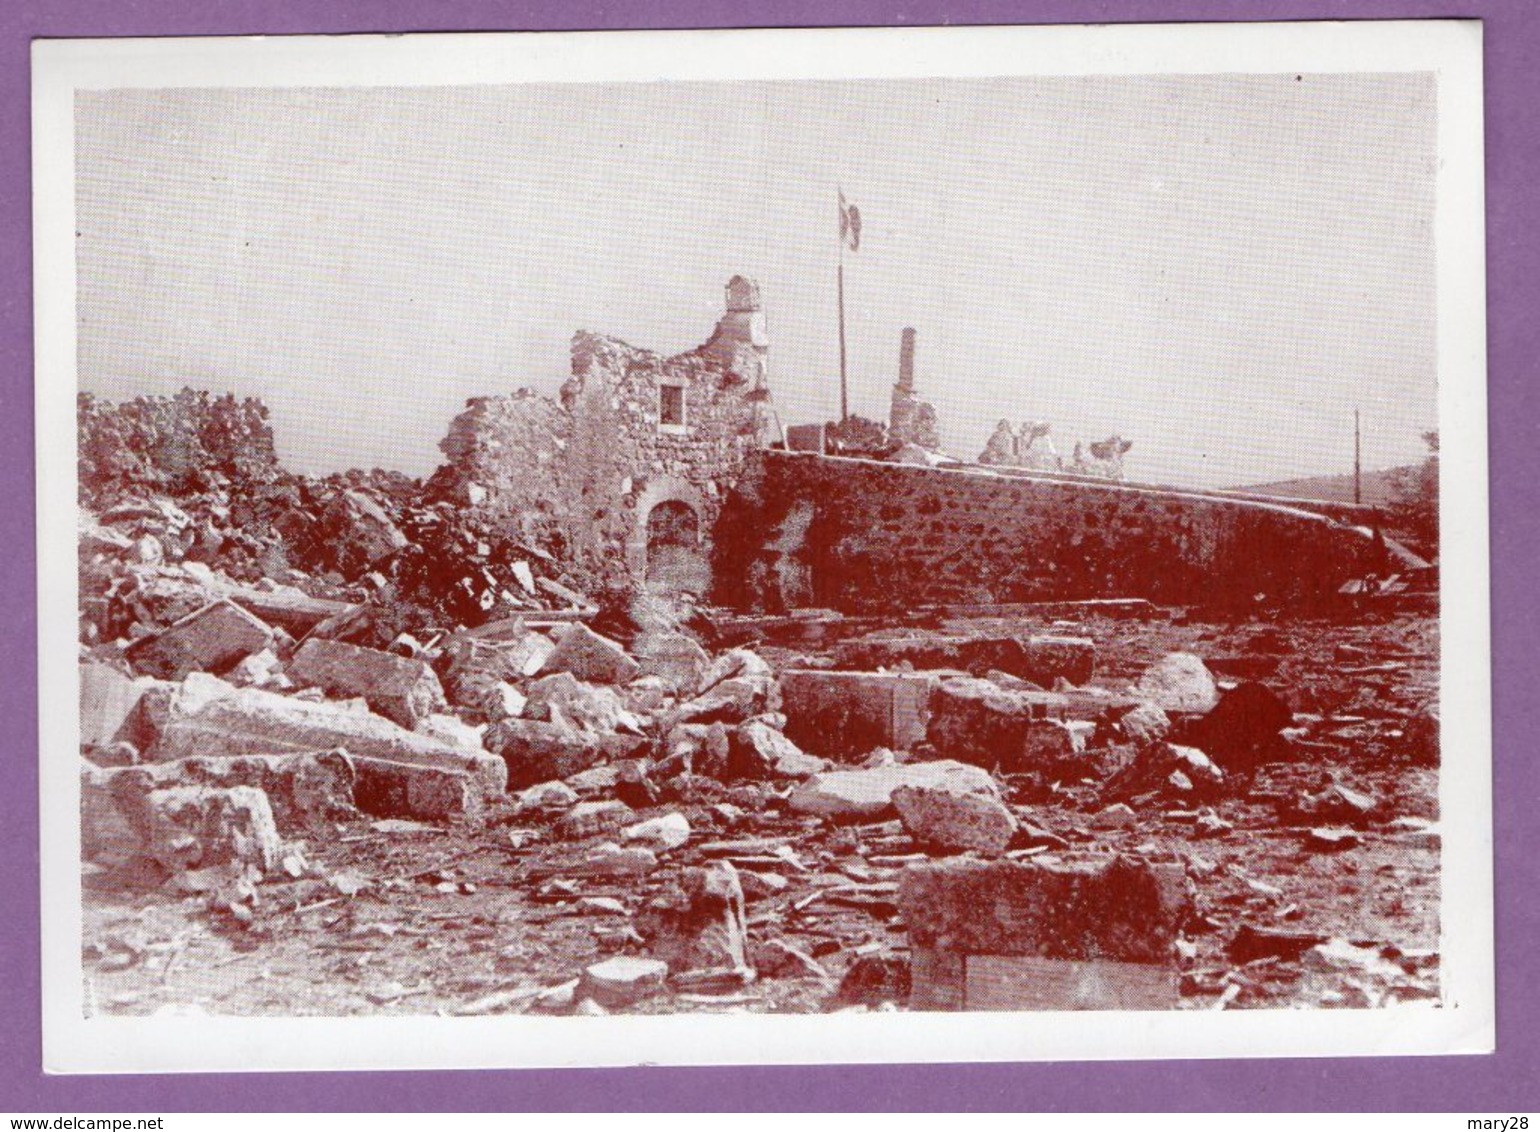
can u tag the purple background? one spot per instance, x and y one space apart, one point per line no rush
1504 1082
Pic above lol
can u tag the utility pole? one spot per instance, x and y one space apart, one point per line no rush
1358 466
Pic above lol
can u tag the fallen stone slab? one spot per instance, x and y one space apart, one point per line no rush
105 831
591 658
304 791
1044 933
552 796
311 790
197 827
869 793
955 822
402 690
1421 735
425 793
776 958
1040 659
623 980
533 751
696 748
758 751
844 715
361 530
212 639
207 716
978 722
108 699
739 686
1179 682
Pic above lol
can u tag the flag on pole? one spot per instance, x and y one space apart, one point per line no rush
850 224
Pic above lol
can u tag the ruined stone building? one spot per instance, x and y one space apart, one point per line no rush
674 473
624 475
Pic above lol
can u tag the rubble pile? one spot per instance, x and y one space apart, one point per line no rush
184 498
645 823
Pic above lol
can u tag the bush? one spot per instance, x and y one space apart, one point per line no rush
1413 507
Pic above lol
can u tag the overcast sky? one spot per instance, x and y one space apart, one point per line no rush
1218 268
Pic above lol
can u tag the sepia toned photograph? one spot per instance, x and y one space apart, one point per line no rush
847 544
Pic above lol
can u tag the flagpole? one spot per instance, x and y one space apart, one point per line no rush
840 277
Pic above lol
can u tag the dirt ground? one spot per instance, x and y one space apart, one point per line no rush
396 917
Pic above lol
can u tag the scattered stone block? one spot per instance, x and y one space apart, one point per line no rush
777 959
844 715
362 531
873 980
196 827
1083 907
1338 804
403 690
407 790
105 831
591 658
1330 840
1243 730
305 791
1421 735
1168 769
1028 982
758 751
623 980
674 658
955 822
701 925
593 819
612 860
107 702
207 716
536 752
668 831
1252 942
739 686
1039 659
212 639
1090 933
978 722
1179 682
556 795
563 696
869 793
1144 724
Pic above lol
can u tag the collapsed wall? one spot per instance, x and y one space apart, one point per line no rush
624 475
805 530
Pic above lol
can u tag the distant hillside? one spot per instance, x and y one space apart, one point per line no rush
1377 487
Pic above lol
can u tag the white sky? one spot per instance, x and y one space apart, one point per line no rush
1219 268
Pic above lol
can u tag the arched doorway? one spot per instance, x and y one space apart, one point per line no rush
674 562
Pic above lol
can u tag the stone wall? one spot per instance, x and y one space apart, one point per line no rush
805 530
